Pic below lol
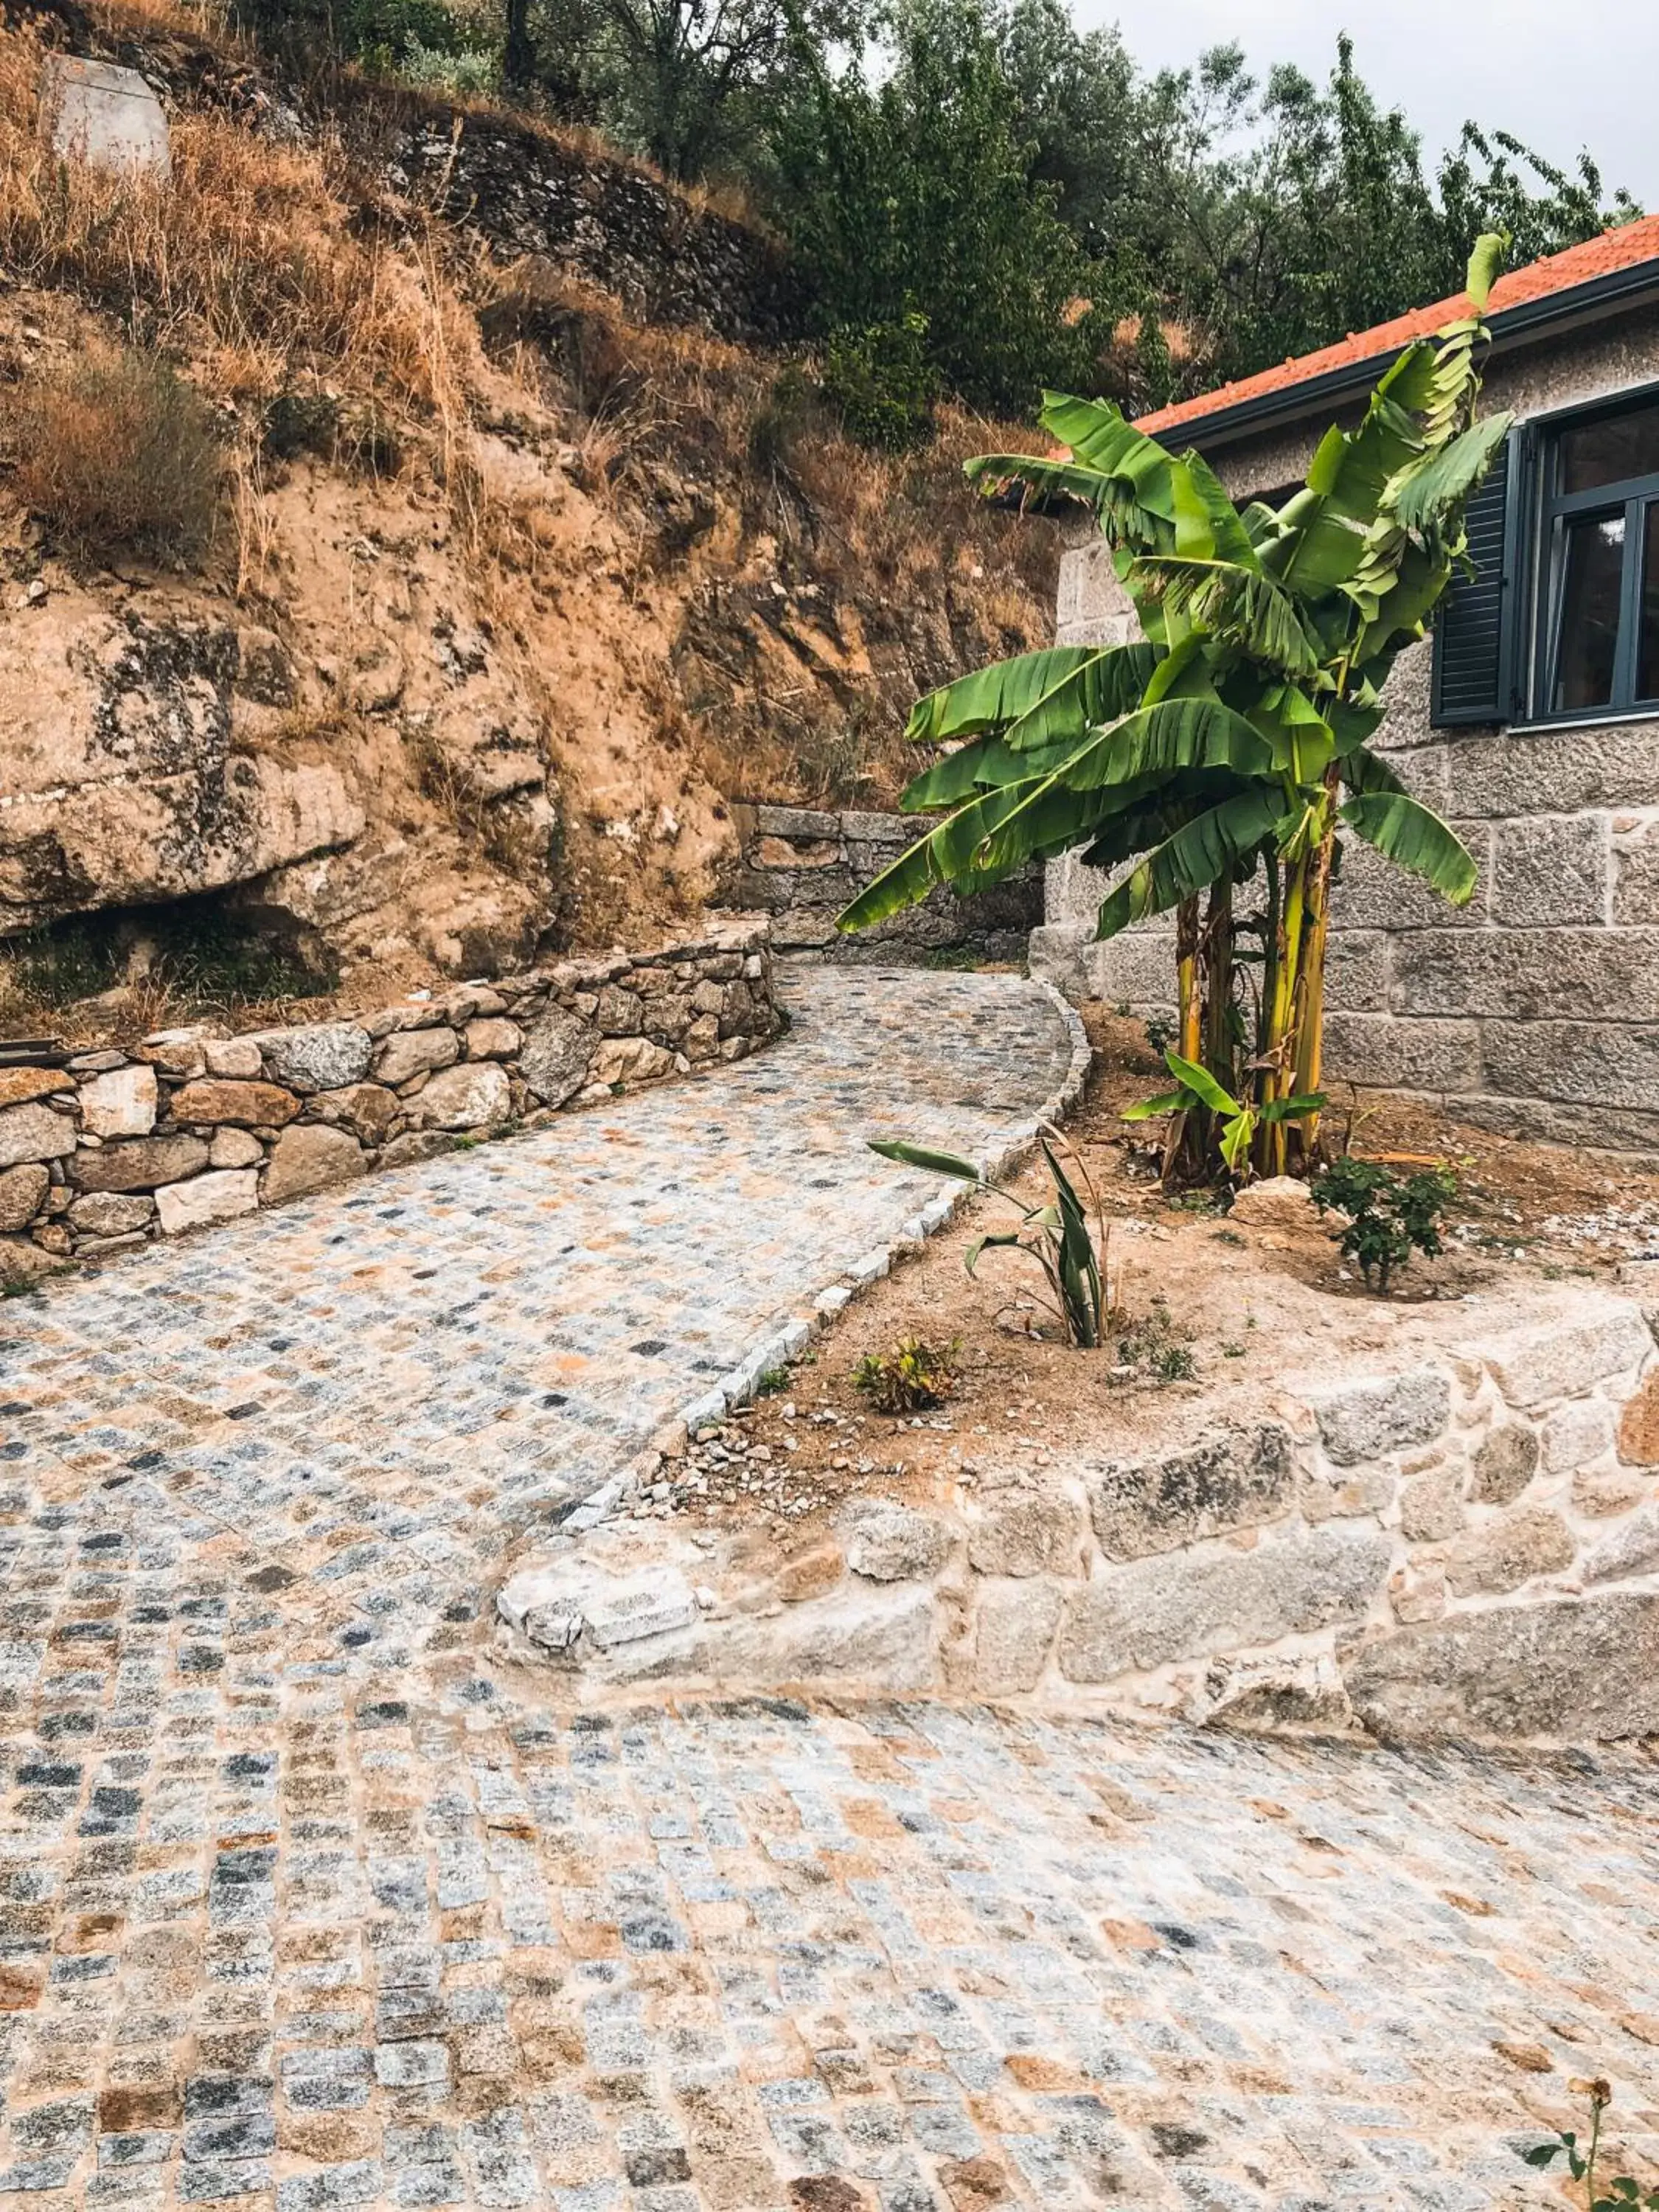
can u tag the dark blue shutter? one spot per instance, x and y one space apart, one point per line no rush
1474 655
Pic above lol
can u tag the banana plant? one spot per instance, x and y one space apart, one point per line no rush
1237 1119
1228 748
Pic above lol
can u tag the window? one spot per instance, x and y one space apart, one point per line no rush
1560 621
1599 643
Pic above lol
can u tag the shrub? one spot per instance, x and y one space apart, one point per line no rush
118 452
883 383
912 1376
1389 1217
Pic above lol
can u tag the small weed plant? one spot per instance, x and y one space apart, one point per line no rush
1055 1235
913 1375
1622 2193
1389 1216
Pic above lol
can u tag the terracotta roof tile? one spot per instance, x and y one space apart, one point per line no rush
1624 248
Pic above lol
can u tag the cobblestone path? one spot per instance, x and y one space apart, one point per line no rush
305 1901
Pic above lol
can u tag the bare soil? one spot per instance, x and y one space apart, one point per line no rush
1212 1318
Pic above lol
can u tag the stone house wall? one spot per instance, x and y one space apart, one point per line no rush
801 864
1536 1009
1469 1546
103 1149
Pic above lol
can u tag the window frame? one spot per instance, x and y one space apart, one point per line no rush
1539 574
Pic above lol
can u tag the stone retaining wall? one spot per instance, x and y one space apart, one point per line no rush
1467 1547
101 1149
801 864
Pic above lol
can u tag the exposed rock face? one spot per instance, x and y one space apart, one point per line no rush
133 781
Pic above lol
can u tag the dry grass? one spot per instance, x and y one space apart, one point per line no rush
246 261
118 453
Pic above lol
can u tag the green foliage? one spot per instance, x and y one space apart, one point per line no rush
907 188
1055 1235
1228 749
1389 1216
882 383
913 1375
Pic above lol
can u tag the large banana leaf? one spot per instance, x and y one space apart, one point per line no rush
1048 480
1423 491
1414 838
1099 435
1225 838
1082 685
1241 606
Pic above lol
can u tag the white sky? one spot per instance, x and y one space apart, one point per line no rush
1561 74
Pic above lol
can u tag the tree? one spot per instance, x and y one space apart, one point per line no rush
914 195
1232 744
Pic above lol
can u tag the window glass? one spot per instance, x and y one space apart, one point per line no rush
1647 642
1587 633
1612 451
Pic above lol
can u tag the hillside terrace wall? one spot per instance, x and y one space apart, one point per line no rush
103 1149
801 864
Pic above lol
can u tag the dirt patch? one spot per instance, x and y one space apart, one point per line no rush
1212 1317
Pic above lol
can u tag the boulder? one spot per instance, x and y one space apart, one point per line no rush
886 1542
120 1102
1016 1628
308 1157
619 1013
408 1053
206 1199
474 1096
103 1213
22 1262
234 1056
249 1105
556 1051
1217 1599
369 1109
1384 1413
229 1147
1504 1554
1234 1479
34 1132
1576 1671
140 1163
1024 1532
1608 1338
491 1038
22 1193
1505 1463
630 1060
19 1084
1278 1203
321 1056
1628 1552
1639 1422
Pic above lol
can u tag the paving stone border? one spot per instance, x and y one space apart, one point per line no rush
1467 1547
739 1383
802 863
103 1150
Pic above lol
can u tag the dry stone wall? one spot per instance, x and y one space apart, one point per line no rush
1469 1546
103 1149
801 864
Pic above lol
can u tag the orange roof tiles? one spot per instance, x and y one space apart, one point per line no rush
1624 248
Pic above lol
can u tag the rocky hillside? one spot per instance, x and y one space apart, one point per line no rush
385 594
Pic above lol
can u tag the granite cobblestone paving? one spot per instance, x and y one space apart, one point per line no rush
308 1901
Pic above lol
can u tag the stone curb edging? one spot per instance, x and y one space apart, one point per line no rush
104 1151
737 1386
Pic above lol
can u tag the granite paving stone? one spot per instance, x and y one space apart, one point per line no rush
307 1900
